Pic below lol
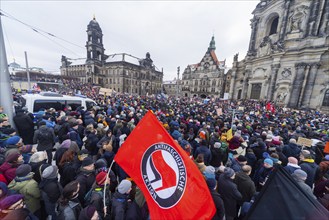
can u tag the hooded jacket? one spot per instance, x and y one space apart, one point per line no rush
312 170
9 171
291 150
28 187
45 137
229 193
245 186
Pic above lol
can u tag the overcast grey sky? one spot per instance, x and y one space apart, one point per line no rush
176 33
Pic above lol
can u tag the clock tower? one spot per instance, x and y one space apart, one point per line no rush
94 44
206 78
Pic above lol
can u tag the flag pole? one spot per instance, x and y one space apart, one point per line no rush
104 194
6 97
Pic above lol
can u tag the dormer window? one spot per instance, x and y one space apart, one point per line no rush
274 26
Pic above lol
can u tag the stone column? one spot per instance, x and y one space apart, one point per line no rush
310 84
324 29
252 50
274 73
297 84
232 84
314 17
245 84
301 96
284 21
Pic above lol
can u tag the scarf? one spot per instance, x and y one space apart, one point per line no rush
309 160
293 165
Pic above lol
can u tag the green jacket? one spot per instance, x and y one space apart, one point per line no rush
28 187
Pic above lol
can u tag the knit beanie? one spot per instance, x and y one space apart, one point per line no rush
66 144
13 140
12 157
293 160
268 161
300 174
228 172
50 172
221 169
23 170
9 201
209 172
176 134
38 157
217 145
100 178
40 114
242 158
293 141
100 163
124 186
306 153
86 162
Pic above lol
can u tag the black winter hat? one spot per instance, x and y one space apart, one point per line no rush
242 158
23 170
86 162
100 163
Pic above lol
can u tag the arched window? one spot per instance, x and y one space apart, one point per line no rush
326 98
274 26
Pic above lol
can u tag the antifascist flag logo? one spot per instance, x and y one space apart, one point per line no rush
164 174
173 186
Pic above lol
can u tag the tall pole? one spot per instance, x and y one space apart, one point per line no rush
178 69
6 97
27 72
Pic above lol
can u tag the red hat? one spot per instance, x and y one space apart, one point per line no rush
202 135
12 157
100 178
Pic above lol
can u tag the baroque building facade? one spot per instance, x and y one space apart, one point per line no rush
172 87
206 78
121 76
288 57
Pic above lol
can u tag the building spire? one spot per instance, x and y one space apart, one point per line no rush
212 44
94 17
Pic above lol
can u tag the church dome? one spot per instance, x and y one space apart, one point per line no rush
94 23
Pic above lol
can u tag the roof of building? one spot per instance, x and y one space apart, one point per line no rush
14 65
93 23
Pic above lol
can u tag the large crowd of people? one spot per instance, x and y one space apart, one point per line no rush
54 164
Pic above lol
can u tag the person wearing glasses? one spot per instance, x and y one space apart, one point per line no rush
11 203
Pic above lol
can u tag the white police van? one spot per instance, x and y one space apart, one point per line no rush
47 100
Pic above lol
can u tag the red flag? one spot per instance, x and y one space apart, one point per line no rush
172 184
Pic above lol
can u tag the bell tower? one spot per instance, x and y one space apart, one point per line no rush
94 44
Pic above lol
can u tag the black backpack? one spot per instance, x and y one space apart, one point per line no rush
57 128
93 194
45 135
